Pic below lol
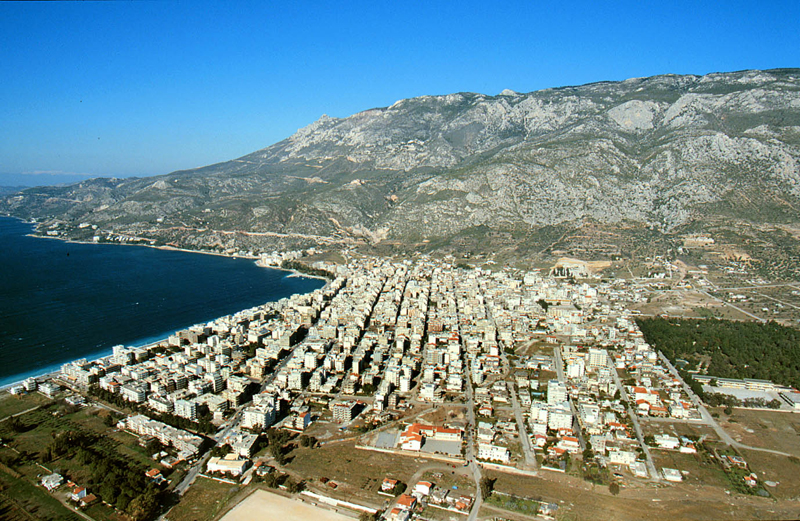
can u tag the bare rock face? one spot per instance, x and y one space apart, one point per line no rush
665 152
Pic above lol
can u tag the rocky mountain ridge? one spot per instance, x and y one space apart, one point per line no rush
665 154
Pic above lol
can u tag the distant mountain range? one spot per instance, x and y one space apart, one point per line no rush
595 170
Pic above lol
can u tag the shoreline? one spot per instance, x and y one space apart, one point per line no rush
50 371
256 258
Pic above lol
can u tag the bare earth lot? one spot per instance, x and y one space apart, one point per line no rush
580 500
767 429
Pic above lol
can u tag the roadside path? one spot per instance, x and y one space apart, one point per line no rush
709 420
624 395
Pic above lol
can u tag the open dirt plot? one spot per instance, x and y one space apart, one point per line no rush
358 473
578 499
262 505
702 469
689 429
766 429
772 467
203 501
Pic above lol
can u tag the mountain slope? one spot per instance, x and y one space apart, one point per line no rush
667 153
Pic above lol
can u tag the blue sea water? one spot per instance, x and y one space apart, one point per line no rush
60 301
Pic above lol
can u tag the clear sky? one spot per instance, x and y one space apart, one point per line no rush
144 88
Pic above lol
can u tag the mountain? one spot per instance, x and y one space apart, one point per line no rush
604 169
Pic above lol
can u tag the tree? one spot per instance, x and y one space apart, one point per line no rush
143 506
398 488
613 487
293 487
487 486
366 516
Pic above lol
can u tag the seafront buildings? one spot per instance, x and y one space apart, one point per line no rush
558 370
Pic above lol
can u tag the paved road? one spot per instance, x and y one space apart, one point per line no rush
184 485
530 457
470 450
737 308
708 419
559 363
525 441
634 419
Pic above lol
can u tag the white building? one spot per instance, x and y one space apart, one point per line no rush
186 409
493 452
556 392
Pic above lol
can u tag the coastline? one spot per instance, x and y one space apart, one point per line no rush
256 258
52 370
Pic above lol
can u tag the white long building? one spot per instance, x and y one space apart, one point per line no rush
188 444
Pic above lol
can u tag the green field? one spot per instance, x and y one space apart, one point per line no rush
21 499
79 444
10 404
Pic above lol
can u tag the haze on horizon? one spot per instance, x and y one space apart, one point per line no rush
118 89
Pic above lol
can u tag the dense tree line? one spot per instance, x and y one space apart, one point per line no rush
117 481
302 267
767 351
202 425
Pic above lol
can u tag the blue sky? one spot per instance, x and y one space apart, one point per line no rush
144 88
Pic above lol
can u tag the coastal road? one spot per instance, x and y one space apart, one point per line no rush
651 467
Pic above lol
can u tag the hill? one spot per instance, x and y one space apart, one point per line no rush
599 170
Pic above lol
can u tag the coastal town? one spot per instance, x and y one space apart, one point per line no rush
475 379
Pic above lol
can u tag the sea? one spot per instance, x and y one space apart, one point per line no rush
60 301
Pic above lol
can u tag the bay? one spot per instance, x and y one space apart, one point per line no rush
60 301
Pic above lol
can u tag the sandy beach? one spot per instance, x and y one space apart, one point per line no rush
265 505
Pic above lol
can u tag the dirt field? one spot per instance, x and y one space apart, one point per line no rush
358 473
700 471
692 430
771 467
768 429
580 500
261 502
688 304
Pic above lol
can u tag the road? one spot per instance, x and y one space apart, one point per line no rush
230 425
737 308
651 467
470 450
525 440
559 363
708 419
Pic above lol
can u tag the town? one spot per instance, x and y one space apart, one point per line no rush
479 373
